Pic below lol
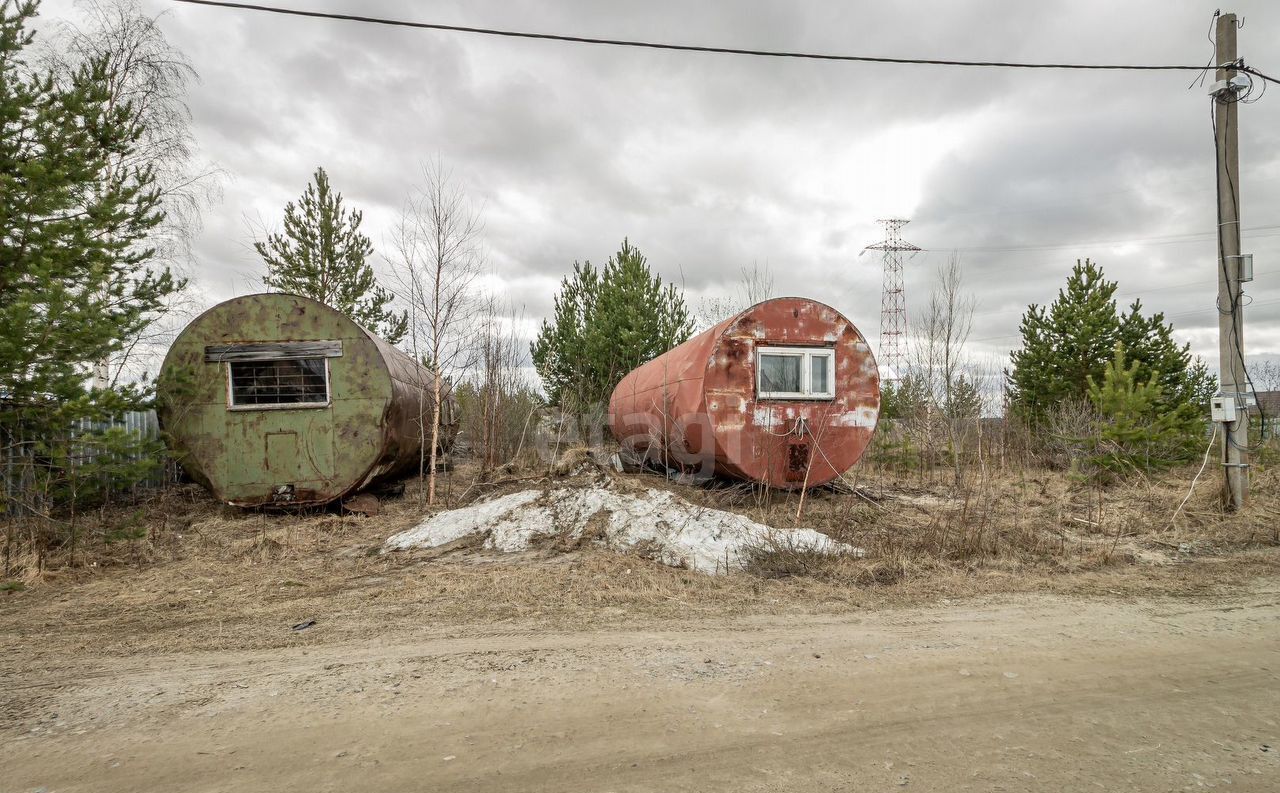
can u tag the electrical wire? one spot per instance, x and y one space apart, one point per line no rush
1216 104
634 43
1177 315
1213 436
1213 50
1238 66
1249 98
1255 73
1167 239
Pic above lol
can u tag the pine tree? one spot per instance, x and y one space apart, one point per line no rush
637 318
1138 431
1065 344
560 351
1183 379
606 323
965 400
1073 340
75 282
323 255
77 278
908 397
892 404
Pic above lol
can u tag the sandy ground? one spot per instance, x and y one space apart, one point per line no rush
1021 692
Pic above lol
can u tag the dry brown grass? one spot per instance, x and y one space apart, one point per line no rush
1025 521
207 576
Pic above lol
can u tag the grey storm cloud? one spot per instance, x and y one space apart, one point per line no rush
712 163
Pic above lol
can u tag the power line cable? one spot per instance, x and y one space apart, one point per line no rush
1126 295
1238 65
1254 72
1167 239
651 45
1078 199
1170 239
1213 50
1139 295
1194 313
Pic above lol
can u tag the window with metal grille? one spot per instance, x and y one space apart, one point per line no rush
795 373
299 382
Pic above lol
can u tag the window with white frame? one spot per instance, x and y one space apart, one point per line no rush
795 373
276 374
289 383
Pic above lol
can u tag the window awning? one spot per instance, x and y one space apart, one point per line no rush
273 351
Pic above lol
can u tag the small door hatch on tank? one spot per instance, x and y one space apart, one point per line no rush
283 457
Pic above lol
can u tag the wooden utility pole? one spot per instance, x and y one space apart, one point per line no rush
1231 409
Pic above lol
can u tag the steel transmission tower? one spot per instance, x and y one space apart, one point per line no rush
893 299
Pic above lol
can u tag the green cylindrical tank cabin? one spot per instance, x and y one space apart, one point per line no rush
277 399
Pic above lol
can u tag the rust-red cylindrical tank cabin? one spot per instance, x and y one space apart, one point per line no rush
786 394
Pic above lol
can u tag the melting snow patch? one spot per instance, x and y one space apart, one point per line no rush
669 528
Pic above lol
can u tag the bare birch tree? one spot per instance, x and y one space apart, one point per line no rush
439 259
754 286
503 399
150 76
1267 375
937 362
944 330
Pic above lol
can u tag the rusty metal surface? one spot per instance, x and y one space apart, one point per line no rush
273 351
695 407
367 433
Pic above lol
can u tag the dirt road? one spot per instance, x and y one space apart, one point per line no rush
1041 693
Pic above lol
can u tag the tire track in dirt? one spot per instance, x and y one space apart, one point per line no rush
1031 695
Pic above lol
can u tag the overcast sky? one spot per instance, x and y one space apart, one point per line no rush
710 163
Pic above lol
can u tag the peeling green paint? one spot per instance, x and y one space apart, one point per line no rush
293 456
